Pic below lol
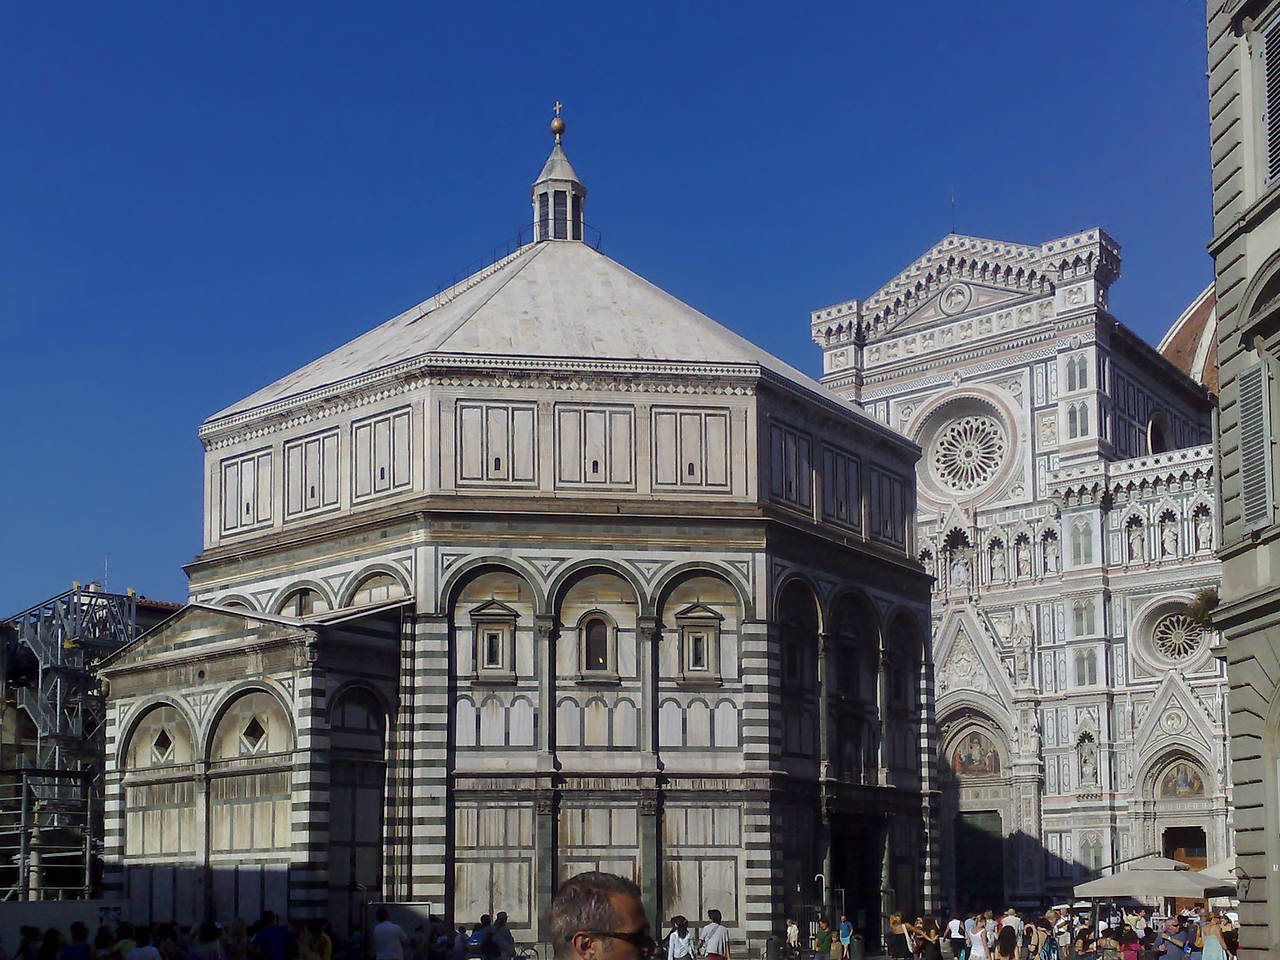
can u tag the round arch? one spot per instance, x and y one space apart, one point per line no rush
136 716
796 579
289 589
671 578
850 596
576 571
233 693
1266 280
361 686
357 580
900 617
235 601
468 570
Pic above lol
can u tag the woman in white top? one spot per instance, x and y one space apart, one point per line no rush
680 943
978 939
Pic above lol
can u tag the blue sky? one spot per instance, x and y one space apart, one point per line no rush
199 199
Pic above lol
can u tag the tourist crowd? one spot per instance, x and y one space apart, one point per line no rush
1114 935
1110 935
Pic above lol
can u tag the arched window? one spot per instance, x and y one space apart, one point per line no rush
377 588
595 646
303 603
1081 544
1073 424
1080 669
1083 621
1092 659
1071 373
1084 419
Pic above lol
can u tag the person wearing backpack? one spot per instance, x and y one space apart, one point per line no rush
1043 945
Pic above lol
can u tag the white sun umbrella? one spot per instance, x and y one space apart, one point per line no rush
1220 877
1224 870
1149 877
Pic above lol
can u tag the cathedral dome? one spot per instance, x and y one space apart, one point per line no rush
1191 344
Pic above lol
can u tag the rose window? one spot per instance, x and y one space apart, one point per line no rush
968 451
1176 637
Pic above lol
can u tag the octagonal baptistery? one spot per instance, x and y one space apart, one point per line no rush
548 573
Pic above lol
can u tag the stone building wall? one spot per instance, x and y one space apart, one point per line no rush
1244 126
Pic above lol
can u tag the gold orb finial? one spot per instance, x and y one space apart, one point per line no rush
557 124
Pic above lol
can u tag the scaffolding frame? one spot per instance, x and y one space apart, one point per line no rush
51 811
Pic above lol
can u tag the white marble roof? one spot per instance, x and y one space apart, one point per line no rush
557 167
556 299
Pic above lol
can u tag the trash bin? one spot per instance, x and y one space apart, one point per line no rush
857 948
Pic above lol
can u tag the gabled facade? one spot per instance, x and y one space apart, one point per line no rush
662 613
1066 512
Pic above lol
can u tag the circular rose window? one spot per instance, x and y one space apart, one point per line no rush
1176 637
969 451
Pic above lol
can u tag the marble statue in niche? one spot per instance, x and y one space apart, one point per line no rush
998 571
1168 536
1204 531
1051 554
1135 541
1022 554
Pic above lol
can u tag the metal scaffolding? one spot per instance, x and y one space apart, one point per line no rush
51 798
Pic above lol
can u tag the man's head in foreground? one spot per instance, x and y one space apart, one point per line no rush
599 915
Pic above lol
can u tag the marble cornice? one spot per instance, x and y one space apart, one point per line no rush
465 370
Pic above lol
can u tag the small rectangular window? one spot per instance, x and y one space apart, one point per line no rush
577 217
493 649
544 216
697 651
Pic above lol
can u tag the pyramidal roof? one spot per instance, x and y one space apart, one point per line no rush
549 300
554 299
557 166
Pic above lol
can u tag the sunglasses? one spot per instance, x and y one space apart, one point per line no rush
640 939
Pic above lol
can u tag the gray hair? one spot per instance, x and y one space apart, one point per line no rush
582 903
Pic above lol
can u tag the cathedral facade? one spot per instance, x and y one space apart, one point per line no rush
549 573
1067 514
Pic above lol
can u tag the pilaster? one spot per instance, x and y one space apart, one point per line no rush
427 830
545 870
647 629
309 873
650 810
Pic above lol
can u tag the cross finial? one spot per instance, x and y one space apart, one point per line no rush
557 124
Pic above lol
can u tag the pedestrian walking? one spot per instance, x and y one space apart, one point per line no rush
821 941
713 939
978 939
388 938
504 943
680 942
955 933
846 936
